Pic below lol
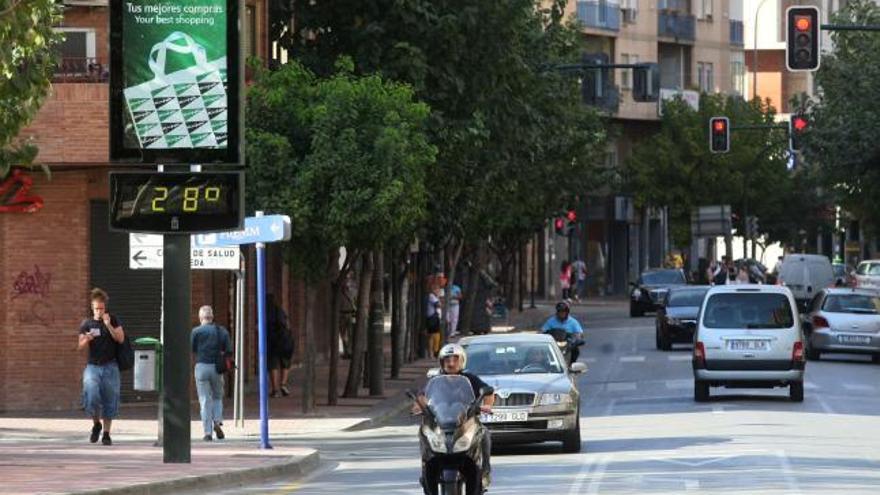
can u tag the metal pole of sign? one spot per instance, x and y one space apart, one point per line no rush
238 394
261 323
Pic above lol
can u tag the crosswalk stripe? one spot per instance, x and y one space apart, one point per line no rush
632 359
679 384
679 357
621 386
858 387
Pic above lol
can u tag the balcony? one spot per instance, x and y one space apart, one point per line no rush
736 33
599 15
680 27
682 6
81 70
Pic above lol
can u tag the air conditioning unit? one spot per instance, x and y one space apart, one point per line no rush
629 15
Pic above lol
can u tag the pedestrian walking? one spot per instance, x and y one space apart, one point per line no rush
452 314
210 345
580 273
565 280
102 334
432 321
279 349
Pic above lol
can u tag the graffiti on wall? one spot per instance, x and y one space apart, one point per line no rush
15 194
35 285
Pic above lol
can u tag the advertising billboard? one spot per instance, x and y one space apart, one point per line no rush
175 81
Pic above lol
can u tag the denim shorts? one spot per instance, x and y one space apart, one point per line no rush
101 390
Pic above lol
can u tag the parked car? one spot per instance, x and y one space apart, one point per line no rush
748 336
536 395
843 320
868 275
677 315
651 287
805 275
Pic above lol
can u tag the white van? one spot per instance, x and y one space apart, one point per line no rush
748 336
805 275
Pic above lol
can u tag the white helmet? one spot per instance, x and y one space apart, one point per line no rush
453 350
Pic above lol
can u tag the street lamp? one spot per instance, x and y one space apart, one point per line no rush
755 53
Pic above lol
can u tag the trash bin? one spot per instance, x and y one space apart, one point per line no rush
147 363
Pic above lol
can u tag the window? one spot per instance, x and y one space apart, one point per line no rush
508 358
603 12
852 303
76 52
748 311
626 74
737 73
704 9
629 10
705 77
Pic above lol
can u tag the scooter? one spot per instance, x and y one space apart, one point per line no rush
451 437
566 343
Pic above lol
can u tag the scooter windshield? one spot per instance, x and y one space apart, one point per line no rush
449 397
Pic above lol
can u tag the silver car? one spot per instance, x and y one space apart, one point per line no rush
843 320
536 397
867 275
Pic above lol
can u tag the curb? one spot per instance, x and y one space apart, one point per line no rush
295 469
387 410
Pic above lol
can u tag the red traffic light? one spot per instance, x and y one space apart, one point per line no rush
559 224
571 215
719 126
802 23
799 123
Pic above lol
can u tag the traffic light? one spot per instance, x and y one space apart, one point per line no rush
719 134
802 43
571 215
559 226
797 126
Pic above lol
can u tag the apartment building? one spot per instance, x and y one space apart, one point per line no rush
51 258
698 45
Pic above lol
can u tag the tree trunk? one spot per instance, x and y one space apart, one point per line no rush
359 346
376 351
406 311
467 318
521 280
308 386
419 336
333 376
398 309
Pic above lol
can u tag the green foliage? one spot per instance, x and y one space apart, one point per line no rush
27 59
345 157
514 142
675 168
842 141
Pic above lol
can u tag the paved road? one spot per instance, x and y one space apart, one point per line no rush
644 434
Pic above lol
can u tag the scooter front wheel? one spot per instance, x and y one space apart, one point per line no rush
452 488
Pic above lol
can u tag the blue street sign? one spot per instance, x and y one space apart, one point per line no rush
269 228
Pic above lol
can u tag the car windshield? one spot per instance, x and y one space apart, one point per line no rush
509 358
869 269
852 303
756 310
690 297
449 397
665 277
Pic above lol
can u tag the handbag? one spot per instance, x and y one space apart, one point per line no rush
225 363
125 355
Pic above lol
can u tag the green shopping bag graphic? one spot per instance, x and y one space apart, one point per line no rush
186 108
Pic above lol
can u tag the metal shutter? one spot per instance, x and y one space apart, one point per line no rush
135 295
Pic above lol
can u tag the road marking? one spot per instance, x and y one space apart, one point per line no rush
586 467
610 407
679 384
679 357
855 387
588 360
621 386
790 480
810 386
632 359
691 485
598 474
717 409
825 406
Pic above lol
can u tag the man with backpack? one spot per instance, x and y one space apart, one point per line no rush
210 345
280 347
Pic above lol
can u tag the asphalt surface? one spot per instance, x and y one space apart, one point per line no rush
643 432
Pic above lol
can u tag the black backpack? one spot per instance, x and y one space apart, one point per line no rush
125 355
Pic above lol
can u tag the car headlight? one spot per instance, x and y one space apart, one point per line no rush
554 399
436 439
464 442
637 293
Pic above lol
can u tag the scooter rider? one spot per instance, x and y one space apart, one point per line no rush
453 360
568 323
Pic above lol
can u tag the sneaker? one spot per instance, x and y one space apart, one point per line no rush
208 438
285 391
219 432
96 432
105 439
273 394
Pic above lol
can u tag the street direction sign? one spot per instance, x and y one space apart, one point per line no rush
268 228
145 253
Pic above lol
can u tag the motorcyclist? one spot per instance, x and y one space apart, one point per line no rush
563 321
453 360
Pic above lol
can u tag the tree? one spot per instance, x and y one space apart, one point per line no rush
27 59
842 140
345 157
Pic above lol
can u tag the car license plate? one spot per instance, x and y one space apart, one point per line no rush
854 339
505 417
747 345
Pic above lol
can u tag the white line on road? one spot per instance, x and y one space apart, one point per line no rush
632 359
598 474
582 475
588 360
717 409
610 407
825 406
691 485
621 386
810 386
679 357
790 480
679 384
857 387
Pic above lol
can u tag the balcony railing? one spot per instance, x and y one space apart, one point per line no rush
680 27
736 33
599 15
682 6
81 70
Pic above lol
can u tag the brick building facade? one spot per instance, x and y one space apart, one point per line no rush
50 259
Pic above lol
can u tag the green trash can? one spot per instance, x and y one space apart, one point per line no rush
147 364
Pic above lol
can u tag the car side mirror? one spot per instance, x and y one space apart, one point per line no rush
433 372
578 368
